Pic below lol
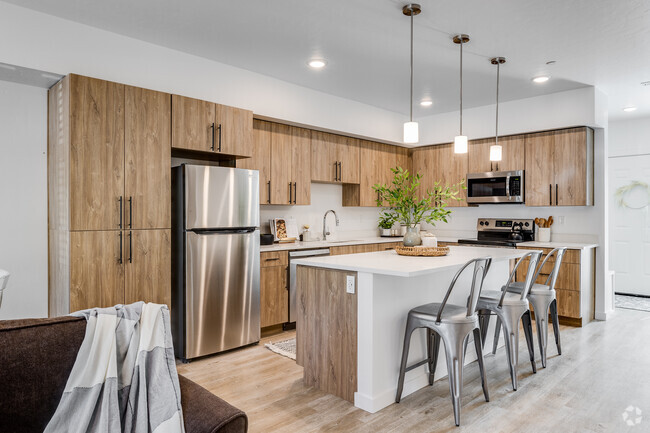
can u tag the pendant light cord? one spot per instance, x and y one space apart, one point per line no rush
411 106
496 128
461 84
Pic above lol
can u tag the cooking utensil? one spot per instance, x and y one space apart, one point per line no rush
550 221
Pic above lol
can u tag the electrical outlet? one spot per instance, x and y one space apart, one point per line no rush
349 286
560 220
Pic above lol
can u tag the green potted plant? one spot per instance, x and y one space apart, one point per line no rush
409 208
386 221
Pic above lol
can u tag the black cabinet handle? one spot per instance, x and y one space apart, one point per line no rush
219 128
130 247
120 201
130 212
556 194
290 186
550 194
272 259
212 135
336 171
268 184
340 172
295 192
119 259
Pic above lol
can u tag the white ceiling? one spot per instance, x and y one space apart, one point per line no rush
605 43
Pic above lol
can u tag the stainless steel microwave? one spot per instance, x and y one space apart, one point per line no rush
495 187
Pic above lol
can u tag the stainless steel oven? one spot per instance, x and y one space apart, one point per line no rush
495 187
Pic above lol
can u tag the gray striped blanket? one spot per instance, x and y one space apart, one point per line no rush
124 378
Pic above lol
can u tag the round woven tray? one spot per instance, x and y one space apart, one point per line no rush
422 251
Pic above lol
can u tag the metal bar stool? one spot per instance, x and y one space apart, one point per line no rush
452 324
4 277
510 308
543 298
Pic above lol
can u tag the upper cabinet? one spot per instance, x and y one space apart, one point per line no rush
440 164
512 154
260 158
559 168
334 158
209 127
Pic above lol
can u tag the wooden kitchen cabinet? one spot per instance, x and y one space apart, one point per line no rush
148 266
260 158
440 164
147 193
334 158
364 248
513 148
274 292
301 165
208 127
559 168
95 121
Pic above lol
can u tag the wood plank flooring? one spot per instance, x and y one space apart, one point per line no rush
605 367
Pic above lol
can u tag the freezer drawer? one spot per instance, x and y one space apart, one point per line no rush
222 291
221 197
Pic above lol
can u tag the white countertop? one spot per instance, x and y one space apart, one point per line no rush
569 245
390 263
338 243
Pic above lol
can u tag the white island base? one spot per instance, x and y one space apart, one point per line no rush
350 344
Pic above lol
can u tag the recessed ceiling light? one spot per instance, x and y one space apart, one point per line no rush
541 79
629 109
550 62
317 63
426 103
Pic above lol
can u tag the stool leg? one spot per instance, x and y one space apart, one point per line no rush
433 355
483 323
481 365
556 326
511 335
405 354
497 329
541 306
455 361
528 331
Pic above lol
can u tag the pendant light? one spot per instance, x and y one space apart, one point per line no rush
460 141
496 150
411 134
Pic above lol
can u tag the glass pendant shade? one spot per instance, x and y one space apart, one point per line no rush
496 152
460 144
411 132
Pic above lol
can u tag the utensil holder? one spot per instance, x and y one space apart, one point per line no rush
544 234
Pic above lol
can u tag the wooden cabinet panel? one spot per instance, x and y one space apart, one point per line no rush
364 248
281 146
147 152
513 149
234 130
301 165
96 153
96 274
193 124
348 157
540 178
570 161
323 157
274 296
452 168
148 266
424 163
260 158
274 258
568 303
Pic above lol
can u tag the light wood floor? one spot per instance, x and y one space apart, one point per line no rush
605 367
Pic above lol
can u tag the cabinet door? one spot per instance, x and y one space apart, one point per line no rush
148 266
274 296
424 162
369 175
539 169
96 153
301 165
478 154
570 160
96 274
280 163
193 124
260 158
323 157
234 130
147 150
348 159
453 169
513 153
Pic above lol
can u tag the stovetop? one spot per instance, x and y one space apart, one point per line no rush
498 232
490 243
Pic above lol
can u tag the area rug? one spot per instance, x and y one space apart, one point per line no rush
285 348
632 302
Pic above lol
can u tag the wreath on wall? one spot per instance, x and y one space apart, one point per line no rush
624 191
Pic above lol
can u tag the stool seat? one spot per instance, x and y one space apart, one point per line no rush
537 289
450 313
493 296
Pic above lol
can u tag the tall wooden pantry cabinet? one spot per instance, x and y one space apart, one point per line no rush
109 164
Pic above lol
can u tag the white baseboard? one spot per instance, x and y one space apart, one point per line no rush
604 315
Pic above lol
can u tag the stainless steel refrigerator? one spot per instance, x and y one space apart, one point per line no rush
215 259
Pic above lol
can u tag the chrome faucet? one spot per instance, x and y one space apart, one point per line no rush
325 232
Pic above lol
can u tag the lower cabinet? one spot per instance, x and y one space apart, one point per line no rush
113 267
274 289
574 287
366 248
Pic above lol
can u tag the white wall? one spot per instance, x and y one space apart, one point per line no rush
23 199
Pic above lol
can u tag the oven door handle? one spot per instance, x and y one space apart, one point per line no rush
508 187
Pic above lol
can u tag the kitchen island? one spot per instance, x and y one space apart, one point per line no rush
352 313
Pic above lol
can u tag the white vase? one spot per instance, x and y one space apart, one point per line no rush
544 234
